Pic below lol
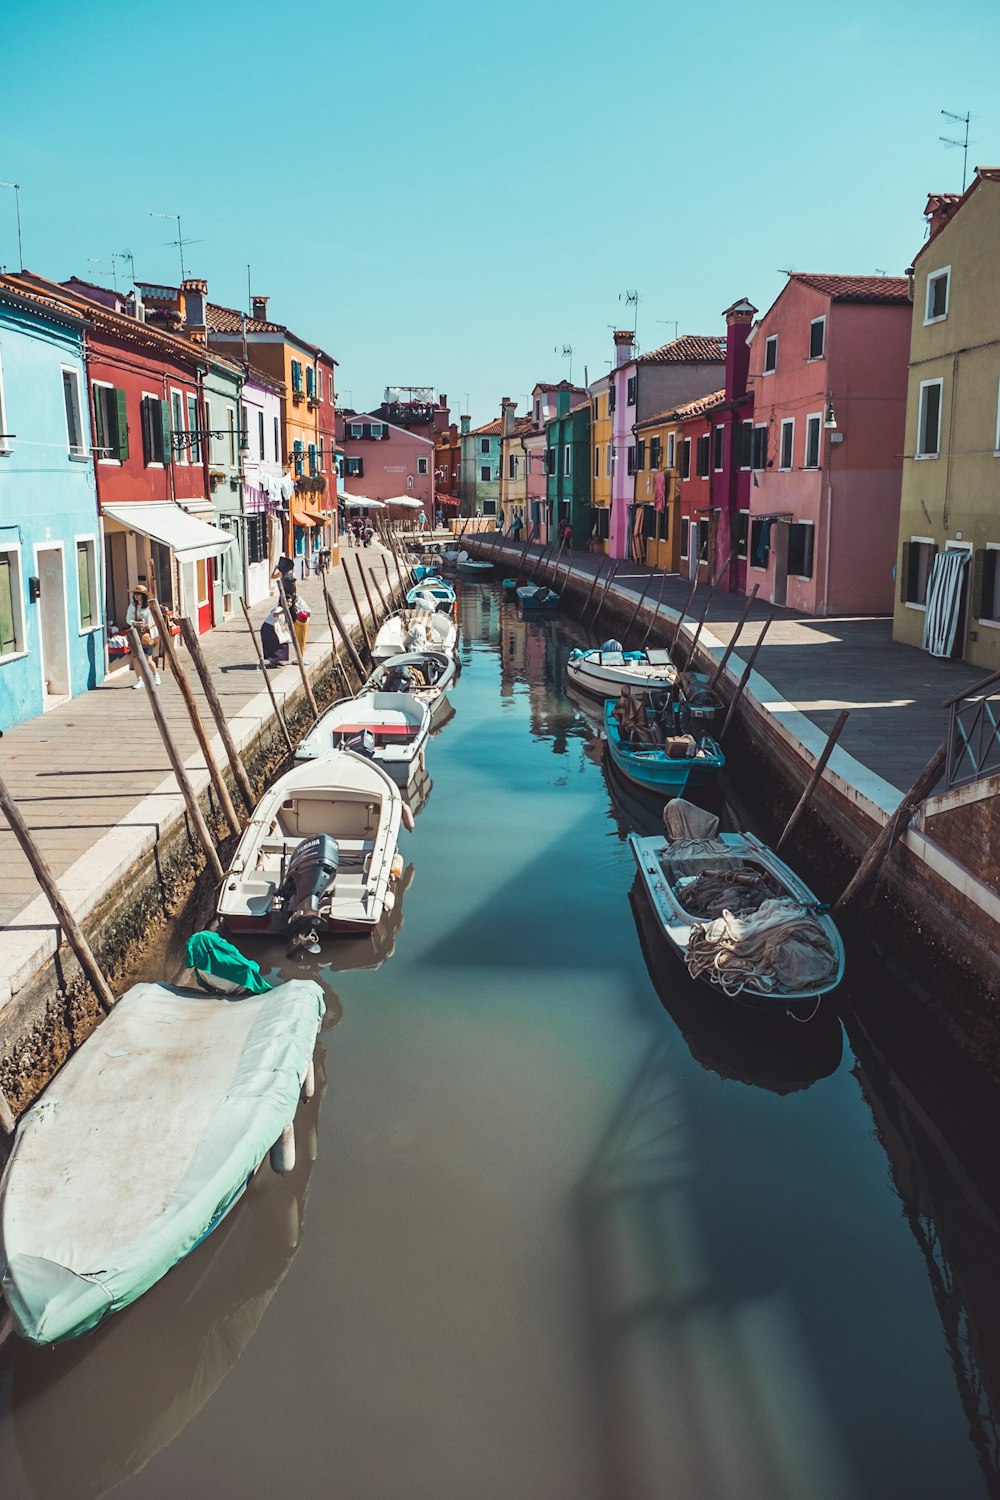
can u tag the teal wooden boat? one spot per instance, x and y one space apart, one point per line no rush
651 754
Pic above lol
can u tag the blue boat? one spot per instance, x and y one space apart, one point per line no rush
651 755
536 597
426 571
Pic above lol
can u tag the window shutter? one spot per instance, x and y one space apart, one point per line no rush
907 565
121 425
982 582
168 447
99 435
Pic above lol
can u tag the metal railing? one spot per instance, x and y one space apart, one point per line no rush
973 733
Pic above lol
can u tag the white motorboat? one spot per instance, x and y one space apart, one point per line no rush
318 855
415 630
608 671
433 594
390 728
425 675
142 1144
472 567
736 914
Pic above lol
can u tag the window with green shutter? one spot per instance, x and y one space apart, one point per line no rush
310 381
86 584
296 375
312 458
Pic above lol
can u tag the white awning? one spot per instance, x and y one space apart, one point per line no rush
356 502
406 500
189 538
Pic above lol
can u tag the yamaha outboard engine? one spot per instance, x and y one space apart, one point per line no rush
398 680
311 872
361 744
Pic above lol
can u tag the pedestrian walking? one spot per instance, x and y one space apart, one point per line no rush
515 527
566 536
274 637
285 574
422 519
140 615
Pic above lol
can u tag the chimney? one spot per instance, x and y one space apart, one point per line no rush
938 210
624 341
466 423
507 410
192 298
258 307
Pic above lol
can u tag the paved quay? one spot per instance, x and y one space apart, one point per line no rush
95 767
819 666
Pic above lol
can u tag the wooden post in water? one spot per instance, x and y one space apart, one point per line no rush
196 654
267 681
386 609
746 673
334 653
704 613
897 825
392 587
814 779
67 921
363 571
218 781
306 684
612 573
635 612
721 666
345 635
187 791
593 585
359 612
682 616
656 612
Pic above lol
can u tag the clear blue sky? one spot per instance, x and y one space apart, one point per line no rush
446 194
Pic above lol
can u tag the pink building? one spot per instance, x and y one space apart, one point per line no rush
828 368
383 461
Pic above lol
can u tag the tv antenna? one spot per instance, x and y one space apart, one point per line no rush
673 323
96 260
180 241
963 143
632 299
567 353
126 255
17 203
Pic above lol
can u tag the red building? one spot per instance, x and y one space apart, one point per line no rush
151 459
448 471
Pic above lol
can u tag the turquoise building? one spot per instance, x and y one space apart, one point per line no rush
567 465
481 469
51 620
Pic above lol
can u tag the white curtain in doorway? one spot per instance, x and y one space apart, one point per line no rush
944 602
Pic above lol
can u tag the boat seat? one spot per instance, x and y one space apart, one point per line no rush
383 734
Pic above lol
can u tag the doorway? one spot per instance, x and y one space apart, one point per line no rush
53 624
205 581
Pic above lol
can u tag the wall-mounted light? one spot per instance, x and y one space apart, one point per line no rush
830 420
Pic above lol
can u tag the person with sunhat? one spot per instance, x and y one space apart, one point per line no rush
140 615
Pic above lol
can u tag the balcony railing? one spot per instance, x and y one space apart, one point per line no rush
973 733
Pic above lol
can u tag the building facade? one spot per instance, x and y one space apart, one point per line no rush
601 462
948 582
483 461
828 367
568 450
52 643
385 462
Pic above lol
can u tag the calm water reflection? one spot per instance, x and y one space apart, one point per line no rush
572 1229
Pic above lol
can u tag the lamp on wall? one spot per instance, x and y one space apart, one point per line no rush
830 419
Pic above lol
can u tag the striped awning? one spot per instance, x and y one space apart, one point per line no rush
944 601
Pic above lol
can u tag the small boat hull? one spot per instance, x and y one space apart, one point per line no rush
537 600
653 768
415 630
397 723
608 674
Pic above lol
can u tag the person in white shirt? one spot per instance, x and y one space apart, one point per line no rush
140 615
274 637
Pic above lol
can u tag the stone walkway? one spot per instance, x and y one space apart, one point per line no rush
894 692
84 767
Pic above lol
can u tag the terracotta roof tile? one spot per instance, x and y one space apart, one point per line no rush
564 385
488 429
229 320
690 348
700 406
856 288
50 303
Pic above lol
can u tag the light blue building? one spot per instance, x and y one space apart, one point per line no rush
480 479
51 624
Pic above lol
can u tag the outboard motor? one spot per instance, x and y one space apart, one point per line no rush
611 645
398 680
311 872
361 744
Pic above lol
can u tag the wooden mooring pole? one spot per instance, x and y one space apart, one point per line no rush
334 653
656 612
358 611
814 779
641 602
714 584
173 755
196 654
197 724
593 585
267 681
879 852
364 574
612 573
345 636
682 616
721 666
746 674
386 608
67 921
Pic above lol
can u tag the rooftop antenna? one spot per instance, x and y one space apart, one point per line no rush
879 271
180 241
249 293
632 299
17 200
670 323
125 255
963 143
567 353
96 260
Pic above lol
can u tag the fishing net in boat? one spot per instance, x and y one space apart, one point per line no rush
692 831
735 888
779 947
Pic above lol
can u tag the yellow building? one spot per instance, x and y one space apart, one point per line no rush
656 489
602 460
513 467
948 575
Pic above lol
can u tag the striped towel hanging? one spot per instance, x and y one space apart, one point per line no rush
944 602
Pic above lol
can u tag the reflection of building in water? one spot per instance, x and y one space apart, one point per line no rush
939 1134
89 1414
478 611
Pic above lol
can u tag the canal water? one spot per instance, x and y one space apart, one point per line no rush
562 1225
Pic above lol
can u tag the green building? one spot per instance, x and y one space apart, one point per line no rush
568 468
